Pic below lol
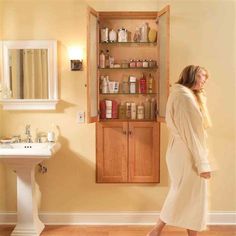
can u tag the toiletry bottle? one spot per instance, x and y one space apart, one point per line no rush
102 59
140 112
153 109
142 84
51 134
107 59
147 109
150 86
133 110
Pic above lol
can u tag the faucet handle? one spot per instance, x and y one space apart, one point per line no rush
27 129
39 136
16 138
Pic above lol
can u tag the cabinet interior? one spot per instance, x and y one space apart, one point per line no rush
124 52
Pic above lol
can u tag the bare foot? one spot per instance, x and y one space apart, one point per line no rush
156 231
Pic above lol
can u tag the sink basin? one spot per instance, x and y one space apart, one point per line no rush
28 150
22 158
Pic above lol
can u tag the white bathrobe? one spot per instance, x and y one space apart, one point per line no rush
186 202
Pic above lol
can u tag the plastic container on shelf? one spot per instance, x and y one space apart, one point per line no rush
132 84
112 36
104 35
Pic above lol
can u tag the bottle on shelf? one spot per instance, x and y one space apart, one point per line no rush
147 109
102 109
108 109
153 109
104 84
144 32
102 59
150 81
140 112
132 84
107 59
114 109
142 84
121 112
128 110
133 110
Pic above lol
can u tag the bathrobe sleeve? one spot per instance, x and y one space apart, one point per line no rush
191 130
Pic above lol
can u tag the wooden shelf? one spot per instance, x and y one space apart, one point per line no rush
130 68
125 120
129 43
145 94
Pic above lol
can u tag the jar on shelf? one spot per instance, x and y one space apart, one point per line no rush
151 63
122 35
145 63
112 36
104 35
132 63
139 63
124 64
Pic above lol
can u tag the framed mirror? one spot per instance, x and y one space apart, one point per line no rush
29 79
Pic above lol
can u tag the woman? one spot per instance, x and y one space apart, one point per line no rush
188 166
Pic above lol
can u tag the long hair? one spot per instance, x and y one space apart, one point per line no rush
188 75
188 79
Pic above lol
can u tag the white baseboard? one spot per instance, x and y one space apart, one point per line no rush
111 218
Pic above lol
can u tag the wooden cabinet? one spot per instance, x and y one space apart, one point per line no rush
128 152
128 149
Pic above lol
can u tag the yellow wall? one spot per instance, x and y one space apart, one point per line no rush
201 33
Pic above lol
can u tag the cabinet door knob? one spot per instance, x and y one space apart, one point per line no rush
124 132
130 132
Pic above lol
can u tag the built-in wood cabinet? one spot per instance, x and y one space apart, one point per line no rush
128 150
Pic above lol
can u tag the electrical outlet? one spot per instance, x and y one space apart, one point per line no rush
80 116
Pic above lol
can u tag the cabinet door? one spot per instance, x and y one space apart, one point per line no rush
164 51
144 152
112 140
92 64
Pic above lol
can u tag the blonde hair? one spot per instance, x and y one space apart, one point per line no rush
188 75
188 79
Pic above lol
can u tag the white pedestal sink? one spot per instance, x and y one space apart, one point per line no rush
22 158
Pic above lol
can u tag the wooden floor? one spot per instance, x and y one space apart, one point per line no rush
121 231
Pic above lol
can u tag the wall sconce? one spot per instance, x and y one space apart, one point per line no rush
75 56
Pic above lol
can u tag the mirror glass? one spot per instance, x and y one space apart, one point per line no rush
29 79
28 71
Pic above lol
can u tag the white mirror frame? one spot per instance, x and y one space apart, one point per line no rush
31 104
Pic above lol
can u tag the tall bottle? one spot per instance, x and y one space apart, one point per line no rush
147 109
143 84
102 59
107 59
153 109
150 86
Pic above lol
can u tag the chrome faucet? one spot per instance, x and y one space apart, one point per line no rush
28 134
40 136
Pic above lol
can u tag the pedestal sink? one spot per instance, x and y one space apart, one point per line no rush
22 158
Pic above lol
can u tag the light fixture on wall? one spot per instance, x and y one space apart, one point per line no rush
76 56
